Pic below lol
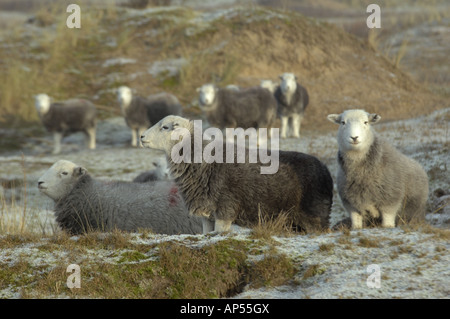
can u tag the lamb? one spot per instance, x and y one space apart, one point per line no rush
292 100
84 204
223 193
63 118
245 108
374 180
159 173
140 113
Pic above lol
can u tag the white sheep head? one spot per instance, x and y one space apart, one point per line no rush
207 94
288 83
60 179
166 133
161 165
355 132
268 84
124 97
42 103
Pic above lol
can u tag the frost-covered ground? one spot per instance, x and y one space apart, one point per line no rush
412 263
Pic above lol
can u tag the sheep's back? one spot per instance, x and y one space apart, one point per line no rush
252 107
161 105
70 116
136 113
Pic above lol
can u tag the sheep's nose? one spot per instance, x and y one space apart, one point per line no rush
354 138
40 184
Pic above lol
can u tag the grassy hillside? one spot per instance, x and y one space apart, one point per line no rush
178 49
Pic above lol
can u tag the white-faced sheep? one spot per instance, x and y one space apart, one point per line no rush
159 173
292 100
63 118
374 179
140 113
269 85
226 192
245 108
84 204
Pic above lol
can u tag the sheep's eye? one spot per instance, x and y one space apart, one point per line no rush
343 122
64 173
165 127
366 122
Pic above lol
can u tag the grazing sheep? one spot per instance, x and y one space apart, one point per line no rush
160 173
63 118
226 192
225 108
269 85
292 100
140 113
374 179
84 204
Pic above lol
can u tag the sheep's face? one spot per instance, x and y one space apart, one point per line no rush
355 131
124 96
207 94
161 165
164 134
60 179
42 103
288 83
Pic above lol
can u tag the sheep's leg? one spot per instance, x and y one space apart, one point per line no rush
222 225
388 215
357 220
133 137
207 225
57 137
296 122
90 138
284 126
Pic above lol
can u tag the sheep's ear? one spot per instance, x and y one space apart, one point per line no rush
79 171
335 118
374 118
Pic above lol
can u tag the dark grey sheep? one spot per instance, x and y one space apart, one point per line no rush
140 113
224 108
374 179
84 204
292 100
64 118
226 192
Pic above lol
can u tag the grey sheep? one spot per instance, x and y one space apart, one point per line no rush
140 113
159 173
374 180
84 204
64 118
224 108
292 99
223 193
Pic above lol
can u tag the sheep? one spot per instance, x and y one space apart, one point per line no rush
223 193
375 180
269 85
140 112
84 204
161 172
292 99
63 118
245 108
